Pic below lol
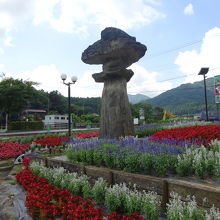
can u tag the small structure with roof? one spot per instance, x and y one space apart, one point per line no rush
36 114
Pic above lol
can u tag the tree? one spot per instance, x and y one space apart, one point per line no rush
58 102
14 95
158 113
147 108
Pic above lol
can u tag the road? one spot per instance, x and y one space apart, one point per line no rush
30 133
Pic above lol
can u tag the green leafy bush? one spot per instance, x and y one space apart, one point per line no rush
148 131
25 125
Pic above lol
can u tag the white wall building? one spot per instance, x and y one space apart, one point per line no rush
56 121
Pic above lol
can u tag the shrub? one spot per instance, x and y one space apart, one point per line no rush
25 125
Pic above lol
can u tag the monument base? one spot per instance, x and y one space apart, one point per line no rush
116 119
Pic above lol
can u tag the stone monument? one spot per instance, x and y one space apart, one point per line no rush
116 51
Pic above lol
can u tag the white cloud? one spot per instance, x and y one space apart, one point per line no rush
73 16
87 87
76 16
188 10
190 62
12 12
48 77
1 51
145 82
2 68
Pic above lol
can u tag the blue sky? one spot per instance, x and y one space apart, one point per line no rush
40 39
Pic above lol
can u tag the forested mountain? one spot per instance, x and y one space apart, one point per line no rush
134 99
187 98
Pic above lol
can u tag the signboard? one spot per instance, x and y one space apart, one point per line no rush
217 89
135 121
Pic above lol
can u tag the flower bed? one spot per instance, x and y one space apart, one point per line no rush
201 134
46 201
128 154
87 135
142 156
12 150
51 141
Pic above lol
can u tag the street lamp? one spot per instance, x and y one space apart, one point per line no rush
74 79
203 72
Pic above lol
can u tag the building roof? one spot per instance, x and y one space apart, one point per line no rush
34 111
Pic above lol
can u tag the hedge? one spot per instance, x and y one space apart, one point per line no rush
25 125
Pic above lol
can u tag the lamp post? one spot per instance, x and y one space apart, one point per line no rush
203 72
74 79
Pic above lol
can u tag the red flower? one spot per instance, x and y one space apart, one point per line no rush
10 150
45 201
198 134
51 141
87 135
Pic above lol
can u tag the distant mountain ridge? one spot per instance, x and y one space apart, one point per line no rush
186 98
134 99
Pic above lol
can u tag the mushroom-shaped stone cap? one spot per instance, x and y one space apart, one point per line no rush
116 49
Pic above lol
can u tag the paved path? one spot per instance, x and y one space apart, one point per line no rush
12 198
29 133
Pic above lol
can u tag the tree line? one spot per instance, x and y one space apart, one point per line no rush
16 95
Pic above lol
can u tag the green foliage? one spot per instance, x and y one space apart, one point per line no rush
200 161
14 94
58 102
118 197
84 106
189 210
86 191
105 156
98 191
146 161
161 164
12 182
25 125
148 131
132 163
151 211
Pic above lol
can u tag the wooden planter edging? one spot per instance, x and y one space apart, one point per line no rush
162 186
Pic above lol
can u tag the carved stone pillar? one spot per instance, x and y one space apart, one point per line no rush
116 51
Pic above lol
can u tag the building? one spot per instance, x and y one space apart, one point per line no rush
35 114
56 121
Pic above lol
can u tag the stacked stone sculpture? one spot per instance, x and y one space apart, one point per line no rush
115 51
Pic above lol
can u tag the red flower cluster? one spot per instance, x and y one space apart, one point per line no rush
51 141
87 135
10 150
45 201
26 161
203 134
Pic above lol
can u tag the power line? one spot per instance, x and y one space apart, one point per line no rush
177 78
179 47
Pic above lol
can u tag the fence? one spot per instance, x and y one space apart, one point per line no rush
54 126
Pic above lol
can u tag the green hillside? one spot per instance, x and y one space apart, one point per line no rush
187 98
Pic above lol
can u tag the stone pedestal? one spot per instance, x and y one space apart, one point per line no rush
116 120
